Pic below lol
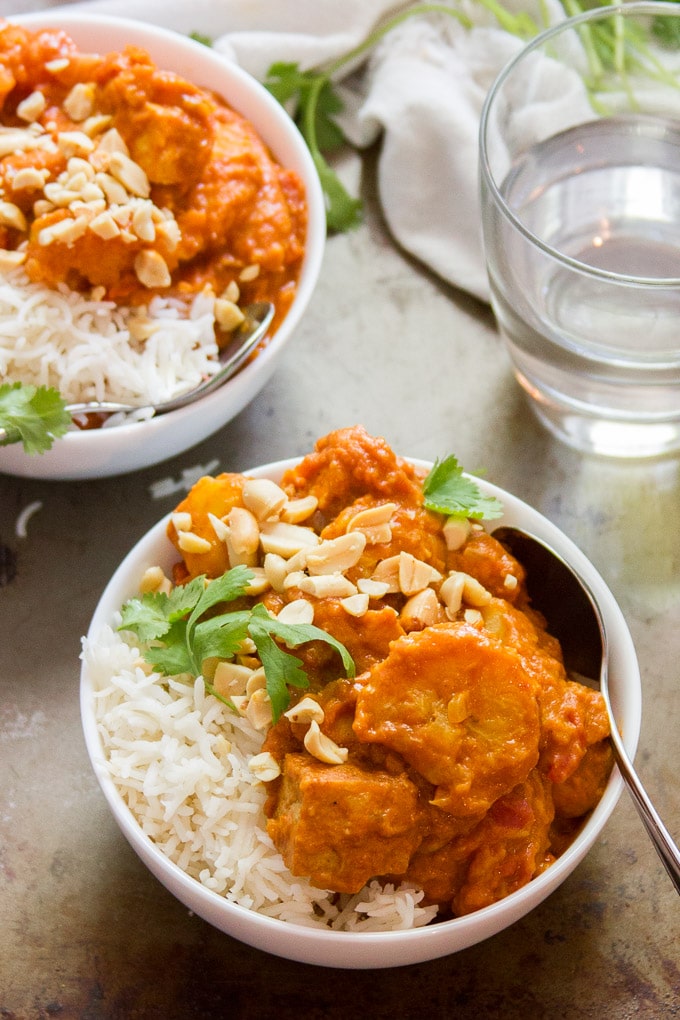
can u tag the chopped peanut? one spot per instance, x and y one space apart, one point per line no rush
322 747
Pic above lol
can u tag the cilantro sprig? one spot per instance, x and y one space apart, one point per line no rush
180 636
316 103
447 490
32 415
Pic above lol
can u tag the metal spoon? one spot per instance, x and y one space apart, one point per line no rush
574 617
245 339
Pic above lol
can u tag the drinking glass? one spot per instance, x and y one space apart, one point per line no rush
580 190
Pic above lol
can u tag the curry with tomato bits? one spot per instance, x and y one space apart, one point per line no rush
460 756
121 178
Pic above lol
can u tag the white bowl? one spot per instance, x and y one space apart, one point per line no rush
370 950
103 452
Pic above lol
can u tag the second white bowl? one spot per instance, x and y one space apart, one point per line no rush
102 452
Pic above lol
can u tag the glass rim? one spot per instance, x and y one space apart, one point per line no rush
650 7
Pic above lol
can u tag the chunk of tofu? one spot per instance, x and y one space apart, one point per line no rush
341 825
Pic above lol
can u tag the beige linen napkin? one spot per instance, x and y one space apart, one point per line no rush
421 89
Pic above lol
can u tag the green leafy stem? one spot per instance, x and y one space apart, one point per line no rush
447 490
316 103
179 636
32 415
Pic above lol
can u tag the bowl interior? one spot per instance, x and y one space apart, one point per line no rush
371 950
105 452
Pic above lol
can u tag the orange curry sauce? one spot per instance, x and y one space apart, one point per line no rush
468 758
126 179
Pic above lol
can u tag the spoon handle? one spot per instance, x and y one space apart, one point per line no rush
656 830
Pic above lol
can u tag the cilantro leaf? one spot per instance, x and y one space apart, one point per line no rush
280 669
185 597
219 637
286 81
448 491
226 588
316 103
342 211
152 616
181 639
294 634
146 617
174 655
32 415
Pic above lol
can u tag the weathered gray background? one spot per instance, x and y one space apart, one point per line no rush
86 931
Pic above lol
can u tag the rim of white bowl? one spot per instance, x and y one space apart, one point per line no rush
374 950
254 101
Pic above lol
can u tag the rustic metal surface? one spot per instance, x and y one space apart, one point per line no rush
88 933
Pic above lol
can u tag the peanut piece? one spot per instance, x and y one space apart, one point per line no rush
306 711
244 532
228 315
355 605
451 592
258 710
11 259
322 747
296 511
32 106
286 539
29 178
325 586
12 216
297 611
151 269
264 767
231 678
129 174
249 273
265 498
79 103
336 555
422 610
456 531
415 574
191 543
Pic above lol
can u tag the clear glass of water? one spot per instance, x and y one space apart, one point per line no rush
580 187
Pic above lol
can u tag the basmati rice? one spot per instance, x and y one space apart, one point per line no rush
179 759
92 349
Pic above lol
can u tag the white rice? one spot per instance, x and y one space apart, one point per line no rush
91 349
179 759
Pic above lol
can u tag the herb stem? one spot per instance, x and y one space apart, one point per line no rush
612 46
309 115
374 37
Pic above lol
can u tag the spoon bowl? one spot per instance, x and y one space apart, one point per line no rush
573 615
245 339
